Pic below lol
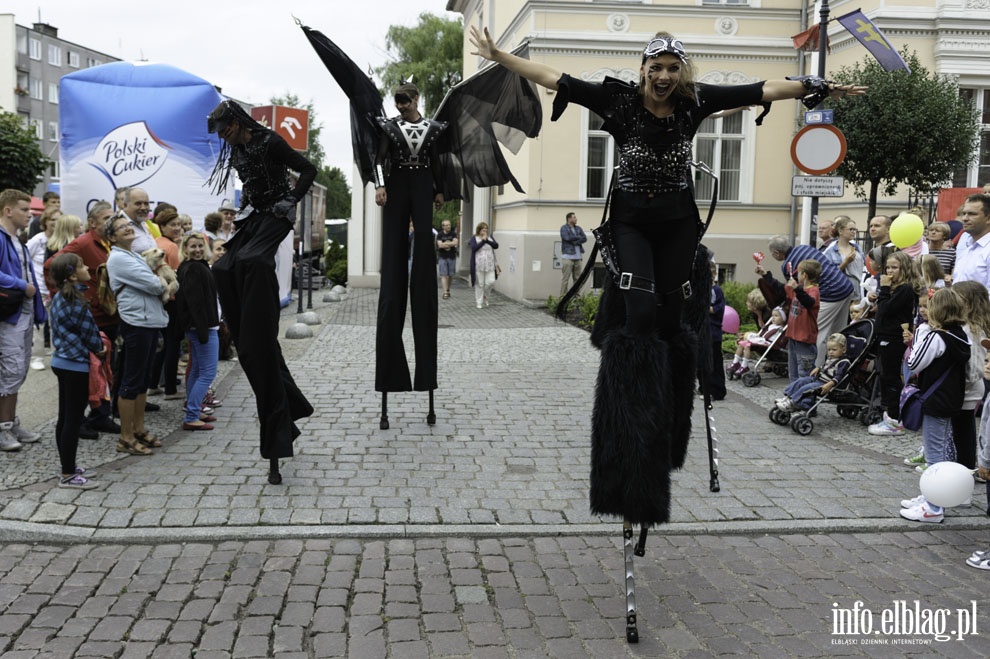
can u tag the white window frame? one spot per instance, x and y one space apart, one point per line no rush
74 59
610 157
53 92
54 55
53 131
746 138
92 61
35 49
39 131
37 89
981 99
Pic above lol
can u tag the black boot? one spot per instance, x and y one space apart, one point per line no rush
683 362
630 430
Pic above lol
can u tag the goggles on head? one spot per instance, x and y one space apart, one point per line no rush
659 46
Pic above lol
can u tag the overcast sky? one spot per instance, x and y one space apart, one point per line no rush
252 49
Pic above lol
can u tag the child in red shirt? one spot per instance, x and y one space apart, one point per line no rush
802 326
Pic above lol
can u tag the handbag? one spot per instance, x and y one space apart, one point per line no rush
912 400
498 270
11 300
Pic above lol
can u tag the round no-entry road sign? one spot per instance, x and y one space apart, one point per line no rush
818 149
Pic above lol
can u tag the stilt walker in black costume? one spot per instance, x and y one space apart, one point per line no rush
414 162
408 181
245 276
646 324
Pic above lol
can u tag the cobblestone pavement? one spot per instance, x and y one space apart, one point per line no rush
471 537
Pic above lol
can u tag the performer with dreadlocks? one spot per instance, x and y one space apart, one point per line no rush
644 393
408 178
245 275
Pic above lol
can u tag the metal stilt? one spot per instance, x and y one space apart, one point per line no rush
713 484
383 424
632 633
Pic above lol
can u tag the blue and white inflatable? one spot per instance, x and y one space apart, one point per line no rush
134 124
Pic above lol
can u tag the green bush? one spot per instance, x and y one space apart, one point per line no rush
583 308
735 296
335 262
338 272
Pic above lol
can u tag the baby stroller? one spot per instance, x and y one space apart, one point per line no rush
774 358
856 395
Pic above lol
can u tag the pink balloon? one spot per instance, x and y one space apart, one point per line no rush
730 320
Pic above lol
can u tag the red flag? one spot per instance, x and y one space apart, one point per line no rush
809 39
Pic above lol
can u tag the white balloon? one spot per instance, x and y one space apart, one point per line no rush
947 484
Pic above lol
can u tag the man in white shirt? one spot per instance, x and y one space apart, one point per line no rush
973 250
137 207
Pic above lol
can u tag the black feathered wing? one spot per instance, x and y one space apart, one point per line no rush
494 105
366 100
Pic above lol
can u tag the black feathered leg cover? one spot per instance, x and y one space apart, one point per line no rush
630 442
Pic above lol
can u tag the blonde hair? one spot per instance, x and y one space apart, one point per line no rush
184 246
837 339
685 82
907 273
930 270
66 228
945 308
977 303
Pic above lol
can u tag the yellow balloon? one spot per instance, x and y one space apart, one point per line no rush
906 230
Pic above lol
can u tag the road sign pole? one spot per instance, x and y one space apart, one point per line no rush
822 49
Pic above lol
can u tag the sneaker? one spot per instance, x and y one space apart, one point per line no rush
87 432
922 513
83 471
37 364
980 560
77 482
916 460
23 436
103 424
8 442
911 503
157 391
741 372
886 426
920 469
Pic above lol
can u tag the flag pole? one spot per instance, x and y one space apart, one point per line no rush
822 48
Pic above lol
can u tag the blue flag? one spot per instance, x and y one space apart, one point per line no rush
873 40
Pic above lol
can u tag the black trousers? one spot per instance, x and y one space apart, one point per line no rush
890 355
248 290
167 358
73 395
410 197
655 238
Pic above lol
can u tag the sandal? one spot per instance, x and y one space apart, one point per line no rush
147 439
980 560
133 447
446 295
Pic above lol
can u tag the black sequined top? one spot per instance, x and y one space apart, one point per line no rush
263 166
654 153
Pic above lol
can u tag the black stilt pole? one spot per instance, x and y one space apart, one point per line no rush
632 633
274 477
383 424
431 416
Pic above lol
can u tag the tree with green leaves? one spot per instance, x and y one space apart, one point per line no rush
338 192
910 128
22 158
429 52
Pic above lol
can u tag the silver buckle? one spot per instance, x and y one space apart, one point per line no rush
686 289
625 280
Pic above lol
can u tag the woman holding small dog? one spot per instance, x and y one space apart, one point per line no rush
170 224
142 317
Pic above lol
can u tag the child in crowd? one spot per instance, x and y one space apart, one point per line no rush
976 302
896 300
939 356
930 272
799 394
761 340
918 460
981 559
802 327
716 312
74 335
756 305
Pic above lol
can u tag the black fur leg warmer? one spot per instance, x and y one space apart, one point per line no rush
683 362
630 431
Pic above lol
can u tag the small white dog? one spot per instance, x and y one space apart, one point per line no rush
155 258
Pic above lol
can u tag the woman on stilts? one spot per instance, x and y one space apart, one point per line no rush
644 394
245 276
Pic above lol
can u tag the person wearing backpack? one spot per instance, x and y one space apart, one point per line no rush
94 250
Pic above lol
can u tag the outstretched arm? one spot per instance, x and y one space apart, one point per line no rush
541 74
778 90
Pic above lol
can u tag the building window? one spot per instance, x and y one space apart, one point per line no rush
73 60
54 55
726 272
92 61
22 43
601 159
978 174
53 131
38 131
37 89
719 144
731 2
53 92
35 49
